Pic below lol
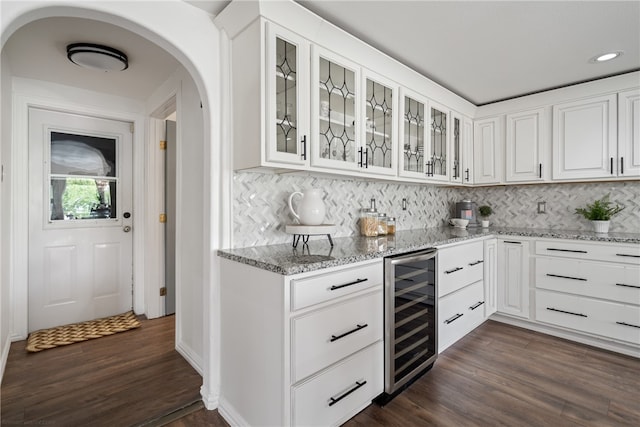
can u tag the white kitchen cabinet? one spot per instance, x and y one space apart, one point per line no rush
301 349
467 151
490 276
585 138
413 130
336 103
589 287
513 277
438 143
629 133
526 145
488 143
380 137
461 293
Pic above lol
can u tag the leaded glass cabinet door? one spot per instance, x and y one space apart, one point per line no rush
335 112
287 111
379 132
438 154
414 122
457 129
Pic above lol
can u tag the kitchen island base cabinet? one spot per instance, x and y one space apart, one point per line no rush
279 366
459 313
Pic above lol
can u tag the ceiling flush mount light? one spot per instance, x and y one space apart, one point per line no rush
604 57
97 57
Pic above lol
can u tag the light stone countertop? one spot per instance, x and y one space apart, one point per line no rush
318 253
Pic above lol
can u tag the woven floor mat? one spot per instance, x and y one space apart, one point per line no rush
83 331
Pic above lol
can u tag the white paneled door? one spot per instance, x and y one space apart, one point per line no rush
80 218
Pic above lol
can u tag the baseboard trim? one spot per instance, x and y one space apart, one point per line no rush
190 356
615 346
5 355
211 400
230 415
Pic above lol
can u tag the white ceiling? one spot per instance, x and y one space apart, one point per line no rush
38 51
483 51
491 50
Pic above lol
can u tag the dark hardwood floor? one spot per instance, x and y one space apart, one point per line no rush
125 379
500 375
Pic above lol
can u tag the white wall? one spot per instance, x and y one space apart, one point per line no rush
189 35
5 194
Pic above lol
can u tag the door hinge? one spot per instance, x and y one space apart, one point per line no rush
163 291
163 218
163 145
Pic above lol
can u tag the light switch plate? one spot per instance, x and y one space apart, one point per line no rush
542 207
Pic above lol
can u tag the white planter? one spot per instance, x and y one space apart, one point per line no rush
600 226
485 223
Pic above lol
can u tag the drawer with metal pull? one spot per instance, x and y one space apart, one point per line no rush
608 319
324 287
459 266
622 253
325 336
336 394
459 313
609 281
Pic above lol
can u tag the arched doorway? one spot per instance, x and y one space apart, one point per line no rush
193 42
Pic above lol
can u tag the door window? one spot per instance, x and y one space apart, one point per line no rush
83 177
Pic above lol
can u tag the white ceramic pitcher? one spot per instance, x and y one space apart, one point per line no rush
311 208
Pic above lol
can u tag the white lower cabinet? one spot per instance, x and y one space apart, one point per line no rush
459 313
589 287
461 291
333 396
300 350
490 276
513 277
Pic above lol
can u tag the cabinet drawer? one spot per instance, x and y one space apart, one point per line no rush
608 319
325 336
609 281
627 254
460 266
337 394
459 313
323 287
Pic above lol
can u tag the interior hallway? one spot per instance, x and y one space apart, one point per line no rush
126 379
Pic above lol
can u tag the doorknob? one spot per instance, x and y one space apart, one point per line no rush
126 228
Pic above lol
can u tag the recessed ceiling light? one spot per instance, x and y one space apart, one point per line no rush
604 57
97 57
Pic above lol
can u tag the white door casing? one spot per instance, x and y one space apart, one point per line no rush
79 269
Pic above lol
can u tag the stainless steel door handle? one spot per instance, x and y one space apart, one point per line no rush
126 229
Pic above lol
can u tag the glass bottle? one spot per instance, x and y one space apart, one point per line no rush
391 225
382 224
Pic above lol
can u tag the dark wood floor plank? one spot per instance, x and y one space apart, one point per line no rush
119 380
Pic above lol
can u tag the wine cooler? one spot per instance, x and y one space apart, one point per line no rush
411 342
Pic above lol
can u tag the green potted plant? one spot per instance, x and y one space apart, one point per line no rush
485 211
599 213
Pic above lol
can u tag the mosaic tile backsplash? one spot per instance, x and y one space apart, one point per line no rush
261 208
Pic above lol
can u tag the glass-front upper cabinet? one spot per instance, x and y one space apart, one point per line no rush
335 112
437 158
457 129
380 146
414 123
287 114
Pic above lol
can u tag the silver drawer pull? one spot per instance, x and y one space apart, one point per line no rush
358 327
355 282
629 255
567 250
566 277
476 305
334 400
453 319
476 263
567 312
453 270
627 324
627 286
